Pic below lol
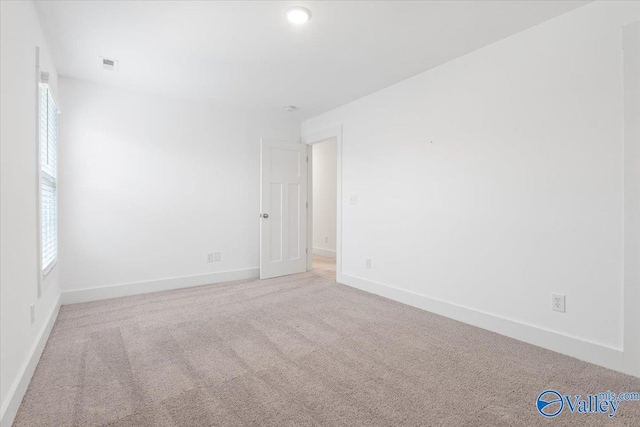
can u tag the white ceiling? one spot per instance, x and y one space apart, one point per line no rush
248 54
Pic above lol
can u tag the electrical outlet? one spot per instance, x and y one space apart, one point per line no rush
367 262
33 313
210 257
326 239
216 257
353 200
558 302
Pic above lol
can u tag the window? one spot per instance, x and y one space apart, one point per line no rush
48 178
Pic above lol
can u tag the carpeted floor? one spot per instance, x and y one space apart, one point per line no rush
295 351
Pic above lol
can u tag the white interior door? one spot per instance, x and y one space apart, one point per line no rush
283 204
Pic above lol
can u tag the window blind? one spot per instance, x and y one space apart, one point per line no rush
48 178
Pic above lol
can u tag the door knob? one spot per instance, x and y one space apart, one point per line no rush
265 215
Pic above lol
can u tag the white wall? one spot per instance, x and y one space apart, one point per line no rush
20 34
491 182
631 48
151 185
324 197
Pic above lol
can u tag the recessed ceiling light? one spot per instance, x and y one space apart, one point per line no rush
290 108
298 14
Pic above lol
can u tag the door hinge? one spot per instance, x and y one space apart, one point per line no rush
306 250
307 205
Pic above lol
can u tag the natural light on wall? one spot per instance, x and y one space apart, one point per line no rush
48 178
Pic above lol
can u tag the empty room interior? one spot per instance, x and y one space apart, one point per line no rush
320 213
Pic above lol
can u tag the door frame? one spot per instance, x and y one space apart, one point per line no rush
309 139
631 272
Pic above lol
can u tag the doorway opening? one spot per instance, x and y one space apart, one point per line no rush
324 202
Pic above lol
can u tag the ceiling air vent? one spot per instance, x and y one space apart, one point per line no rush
109 64
290 108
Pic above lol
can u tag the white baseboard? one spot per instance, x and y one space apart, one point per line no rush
598 354
324 252
137 288
19 388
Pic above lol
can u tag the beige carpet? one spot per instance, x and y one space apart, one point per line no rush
295 351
